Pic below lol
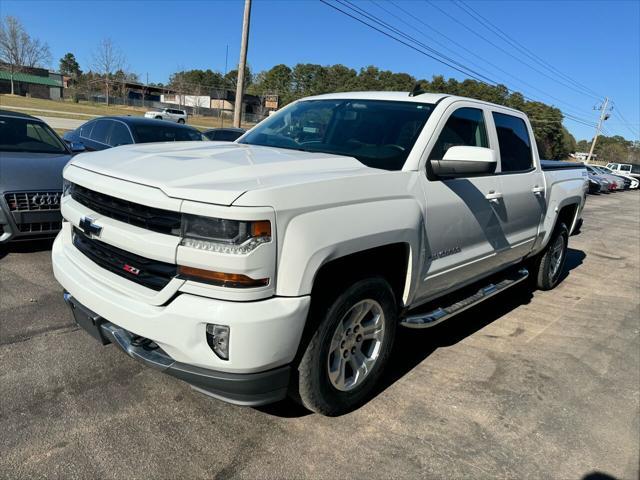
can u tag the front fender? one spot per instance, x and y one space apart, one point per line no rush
314 238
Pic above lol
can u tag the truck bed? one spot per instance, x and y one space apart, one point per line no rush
556 165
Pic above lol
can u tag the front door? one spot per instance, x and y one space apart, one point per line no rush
464 236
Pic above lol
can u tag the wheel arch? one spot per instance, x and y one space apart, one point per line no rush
340 237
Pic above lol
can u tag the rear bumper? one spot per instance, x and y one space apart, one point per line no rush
250 389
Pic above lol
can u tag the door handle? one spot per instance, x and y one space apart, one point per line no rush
493 196
537 190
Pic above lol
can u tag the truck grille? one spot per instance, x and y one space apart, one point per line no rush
30 201
149 218
144 271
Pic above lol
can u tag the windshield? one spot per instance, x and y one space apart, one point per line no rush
25 135
380 134
165 133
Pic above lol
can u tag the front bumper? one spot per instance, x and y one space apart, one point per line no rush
242 389
264 334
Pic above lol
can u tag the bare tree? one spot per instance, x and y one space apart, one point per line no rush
107 59
18 49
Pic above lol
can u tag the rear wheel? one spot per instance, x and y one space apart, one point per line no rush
349 349
549 265
158 117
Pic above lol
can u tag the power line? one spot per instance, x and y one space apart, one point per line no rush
377 20
519 46
627 124
464 70
401 41
449 39
459 22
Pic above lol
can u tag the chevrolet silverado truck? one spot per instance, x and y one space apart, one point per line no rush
283 263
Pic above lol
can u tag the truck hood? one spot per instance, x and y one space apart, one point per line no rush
216 172
22 171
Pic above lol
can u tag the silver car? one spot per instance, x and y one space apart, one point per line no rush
32 157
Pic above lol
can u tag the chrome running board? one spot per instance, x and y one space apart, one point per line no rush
440 314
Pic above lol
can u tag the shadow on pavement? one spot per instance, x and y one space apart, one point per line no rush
26 247
598 476
412 346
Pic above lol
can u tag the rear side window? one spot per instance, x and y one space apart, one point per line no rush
635 168
514 142
465 127
120 135
165 133
85 130
100 131
625 168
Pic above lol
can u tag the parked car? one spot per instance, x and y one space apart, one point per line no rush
615 182
32 157
107 132
628 169
171 114
597 185
630 182
227 134
286 261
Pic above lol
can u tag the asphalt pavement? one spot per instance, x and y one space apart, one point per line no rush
527 385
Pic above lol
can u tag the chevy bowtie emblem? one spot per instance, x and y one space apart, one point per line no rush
90 228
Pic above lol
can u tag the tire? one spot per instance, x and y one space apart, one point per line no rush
181 120
158 117
548 267
328 349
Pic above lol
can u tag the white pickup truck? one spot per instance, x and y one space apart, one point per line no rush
170 114
283 263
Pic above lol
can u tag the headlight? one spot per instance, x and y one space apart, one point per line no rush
222 235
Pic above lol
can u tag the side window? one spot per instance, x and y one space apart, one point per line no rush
514 142
100 131
120 135
465 127
85 130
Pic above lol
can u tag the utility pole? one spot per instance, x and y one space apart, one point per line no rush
603 116
237 108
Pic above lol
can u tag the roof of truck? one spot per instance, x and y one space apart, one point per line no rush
431 98
392 96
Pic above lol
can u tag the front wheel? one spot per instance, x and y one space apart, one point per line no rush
158 117
549 265
181 120
349 349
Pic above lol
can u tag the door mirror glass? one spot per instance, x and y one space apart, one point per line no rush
463 161
77 147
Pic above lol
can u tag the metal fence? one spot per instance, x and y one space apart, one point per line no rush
225 114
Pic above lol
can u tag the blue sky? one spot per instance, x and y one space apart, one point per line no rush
596 43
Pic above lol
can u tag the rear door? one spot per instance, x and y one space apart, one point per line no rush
463 237
522 183
99 136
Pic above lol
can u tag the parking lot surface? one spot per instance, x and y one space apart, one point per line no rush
530 384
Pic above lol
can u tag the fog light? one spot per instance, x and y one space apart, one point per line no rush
218 339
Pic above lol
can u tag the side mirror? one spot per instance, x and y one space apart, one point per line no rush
77 147
462 161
